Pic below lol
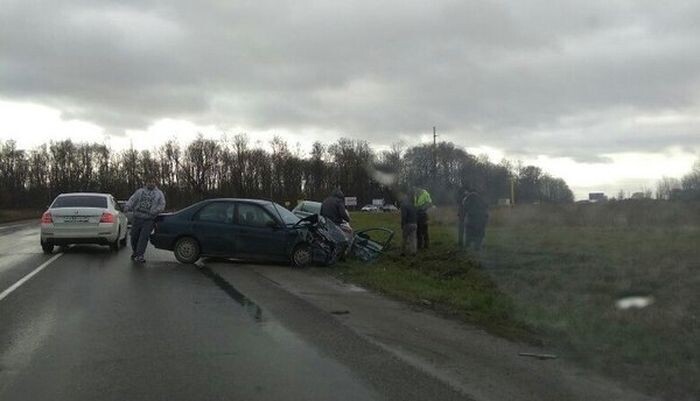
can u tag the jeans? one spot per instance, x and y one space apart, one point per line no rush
408 245
140 232
474 239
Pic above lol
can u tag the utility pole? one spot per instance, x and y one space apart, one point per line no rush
434 153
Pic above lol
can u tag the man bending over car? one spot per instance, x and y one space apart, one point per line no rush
146 204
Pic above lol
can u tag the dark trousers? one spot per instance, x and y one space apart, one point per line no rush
422 236
475 236
471 233
408 234
140 232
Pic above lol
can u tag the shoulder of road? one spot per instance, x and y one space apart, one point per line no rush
467 358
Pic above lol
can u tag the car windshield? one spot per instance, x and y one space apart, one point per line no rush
280 211
80 201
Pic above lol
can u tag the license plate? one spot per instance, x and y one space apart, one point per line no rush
76 219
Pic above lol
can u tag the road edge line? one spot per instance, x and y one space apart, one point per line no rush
26 278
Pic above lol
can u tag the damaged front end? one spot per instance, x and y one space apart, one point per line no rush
326 246
331 243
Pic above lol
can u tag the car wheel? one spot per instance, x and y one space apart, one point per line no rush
114 246
47 248
187 250
301 255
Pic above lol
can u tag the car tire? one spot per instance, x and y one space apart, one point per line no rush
302 255
47 248
115 246
122 242
187 250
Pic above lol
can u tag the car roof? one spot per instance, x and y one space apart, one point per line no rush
256 201
84 194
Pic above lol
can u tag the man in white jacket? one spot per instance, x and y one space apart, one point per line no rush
146 204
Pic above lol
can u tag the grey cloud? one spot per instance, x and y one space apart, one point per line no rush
512 75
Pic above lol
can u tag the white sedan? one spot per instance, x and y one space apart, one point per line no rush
83 218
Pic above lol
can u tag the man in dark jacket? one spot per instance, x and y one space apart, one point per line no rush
333 208
146 203
409 225
475 211
461 214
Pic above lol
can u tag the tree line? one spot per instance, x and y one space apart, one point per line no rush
685 188
232 167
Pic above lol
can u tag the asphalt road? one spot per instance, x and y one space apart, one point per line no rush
90 325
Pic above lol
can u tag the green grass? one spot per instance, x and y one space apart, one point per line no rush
565 281
10 215
557 272
441 278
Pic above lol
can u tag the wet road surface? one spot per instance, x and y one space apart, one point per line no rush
93 326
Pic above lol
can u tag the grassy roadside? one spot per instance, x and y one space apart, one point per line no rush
557 272
11 215
565 281
441 278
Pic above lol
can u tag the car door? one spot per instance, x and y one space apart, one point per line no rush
258 234
213 228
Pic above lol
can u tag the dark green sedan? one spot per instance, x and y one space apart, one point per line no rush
245 229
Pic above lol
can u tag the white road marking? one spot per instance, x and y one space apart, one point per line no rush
26 278
28 224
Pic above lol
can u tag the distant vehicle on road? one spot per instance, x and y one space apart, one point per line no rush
389 208
83 218
307 208
370 208
245 229
122 208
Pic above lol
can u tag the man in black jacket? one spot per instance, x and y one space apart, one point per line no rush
409 224
333 208
475 211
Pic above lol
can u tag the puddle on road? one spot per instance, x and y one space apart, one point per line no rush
331 377
634 302
251 308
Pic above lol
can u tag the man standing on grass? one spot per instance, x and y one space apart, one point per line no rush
409 225
476 212
146 203
461 215
423 203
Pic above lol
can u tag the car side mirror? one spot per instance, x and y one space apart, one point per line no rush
272 224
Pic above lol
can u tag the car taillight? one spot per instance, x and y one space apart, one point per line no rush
46 218
107 218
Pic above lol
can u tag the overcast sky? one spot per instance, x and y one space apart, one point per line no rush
603 93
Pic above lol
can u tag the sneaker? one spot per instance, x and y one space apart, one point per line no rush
133 256
139 259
